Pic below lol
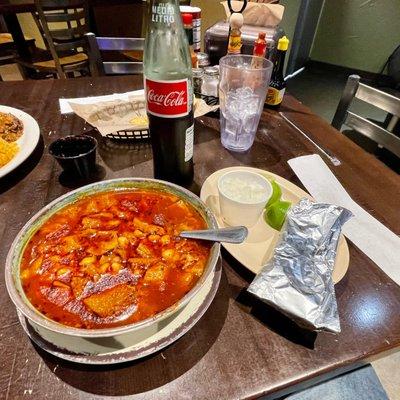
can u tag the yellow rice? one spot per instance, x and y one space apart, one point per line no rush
7 151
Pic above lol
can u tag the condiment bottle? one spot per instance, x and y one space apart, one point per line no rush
277 84
259 50
203 60
209 90
198 74
235 34
187 20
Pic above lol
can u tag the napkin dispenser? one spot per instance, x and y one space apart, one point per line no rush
216 39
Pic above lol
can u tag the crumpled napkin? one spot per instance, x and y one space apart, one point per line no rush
120 111
258 14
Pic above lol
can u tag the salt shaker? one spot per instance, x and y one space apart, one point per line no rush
198 74
203 60
209 88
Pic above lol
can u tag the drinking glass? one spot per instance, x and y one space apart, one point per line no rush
243 86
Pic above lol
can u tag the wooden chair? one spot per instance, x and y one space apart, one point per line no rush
99 67
385 101
8 50
63 24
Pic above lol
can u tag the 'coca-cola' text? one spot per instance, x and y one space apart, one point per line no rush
167 99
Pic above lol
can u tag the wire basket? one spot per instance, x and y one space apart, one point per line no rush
142 134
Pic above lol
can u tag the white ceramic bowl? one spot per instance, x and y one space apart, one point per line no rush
240 208
12 272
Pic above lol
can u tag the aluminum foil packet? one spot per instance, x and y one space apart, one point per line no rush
298 278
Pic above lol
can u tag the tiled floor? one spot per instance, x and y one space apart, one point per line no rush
321 91
388 371
311 89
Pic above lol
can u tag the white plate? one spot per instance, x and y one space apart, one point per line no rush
129 346
258 248
26 143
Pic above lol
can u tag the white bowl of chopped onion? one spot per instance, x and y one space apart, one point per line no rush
242 197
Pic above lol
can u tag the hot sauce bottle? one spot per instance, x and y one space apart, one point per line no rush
277 85
235 34
260 45
187 20
259 50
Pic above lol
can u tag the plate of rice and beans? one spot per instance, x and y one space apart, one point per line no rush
19 135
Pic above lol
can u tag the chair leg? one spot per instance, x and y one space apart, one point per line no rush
22 71
84 72
344 103
61 75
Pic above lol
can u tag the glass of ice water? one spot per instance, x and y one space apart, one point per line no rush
243 85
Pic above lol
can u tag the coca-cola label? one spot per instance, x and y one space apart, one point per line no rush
168 99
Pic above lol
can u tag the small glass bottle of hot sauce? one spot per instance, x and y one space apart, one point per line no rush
187 20
235 34
259 50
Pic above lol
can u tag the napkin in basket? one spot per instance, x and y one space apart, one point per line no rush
119 112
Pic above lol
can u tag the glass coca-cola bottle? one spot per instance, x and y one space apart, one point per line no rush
169 93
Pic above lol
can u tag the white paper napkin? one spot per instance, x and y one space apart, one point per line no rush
379 243
119 111
65 107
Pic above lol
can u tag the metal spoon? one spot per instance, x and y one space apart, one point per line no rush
236 234
334 160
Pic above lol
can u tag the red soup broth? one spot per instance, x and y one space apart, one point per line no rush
113 259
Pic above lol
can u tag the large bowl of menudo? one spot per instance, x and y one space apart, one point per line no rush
107 259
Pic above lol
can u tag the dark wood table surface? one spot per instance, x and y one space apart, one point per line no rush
240 348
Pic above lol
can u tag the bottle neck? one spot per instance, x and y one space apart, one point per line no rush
235 32
279 64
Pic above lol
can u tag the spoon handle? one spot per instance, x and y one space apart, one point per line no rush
235 234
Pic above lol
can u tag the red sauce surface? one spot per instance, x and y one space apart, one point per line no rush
113 259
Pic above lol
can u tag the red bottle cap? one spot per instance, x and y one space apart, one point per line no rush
187 19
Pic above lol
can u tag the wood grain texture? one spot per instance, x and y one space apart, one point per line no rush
240 348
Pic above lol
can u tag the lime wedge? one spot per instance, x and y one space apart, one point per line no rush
276 194
276 213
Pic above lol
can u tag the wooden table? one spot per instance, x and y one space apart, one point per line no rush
240 348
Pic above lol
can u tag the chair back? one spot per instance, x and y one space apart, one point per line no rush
63 24
99 67
3 26
375 97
